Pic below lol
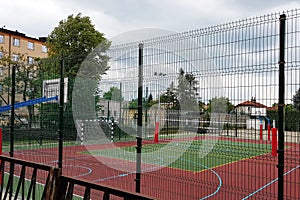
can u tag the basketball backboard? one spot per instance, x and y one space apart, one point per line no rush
52 87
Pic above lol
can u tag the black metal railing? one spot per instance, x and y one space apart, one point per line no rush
19 180
16 183
67 185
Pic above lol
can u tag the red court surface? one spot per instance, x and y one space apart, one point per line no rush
253 178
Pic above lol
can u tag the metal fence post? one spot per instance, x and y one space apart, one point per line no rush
139 121
61 114
12 111
12 126
281 108
120 111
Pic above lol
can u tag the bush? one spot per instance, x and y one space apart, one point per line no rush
50 116
292 119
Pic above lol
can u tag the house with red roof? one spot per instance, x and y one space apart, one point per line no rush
255 111
251 107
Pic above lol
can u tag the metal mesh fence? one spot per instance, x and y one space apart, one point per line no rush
209 115
31 128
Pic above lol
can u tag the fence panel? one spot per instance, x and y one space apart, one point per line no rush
210 115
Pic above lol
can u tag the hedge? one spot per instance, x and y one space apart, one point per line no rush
292 119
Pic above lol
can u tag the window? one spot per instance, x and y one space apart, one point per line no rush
15 57
1 71
1 54
30 60
16 42
44 49
30 45
1 38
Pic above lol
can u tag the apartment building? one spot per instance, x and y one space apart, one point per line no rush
14 45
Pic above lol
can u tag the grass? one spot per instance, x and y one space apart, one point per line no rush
189 157
39 188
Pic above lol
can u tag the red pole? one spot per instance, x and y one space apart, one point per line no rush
274 141
269 130
0 154
260 132
0 141
156 132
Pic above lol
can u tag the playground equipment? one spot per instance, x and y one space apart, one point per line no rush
23 104
28 103
261 118
156 132
274 141
274 134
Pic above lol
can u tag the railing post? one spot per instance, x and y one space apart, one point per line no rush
281 108
60 187
52 182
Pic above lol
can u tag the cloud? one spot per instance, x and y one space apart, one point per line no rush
257 5
113 17
35 18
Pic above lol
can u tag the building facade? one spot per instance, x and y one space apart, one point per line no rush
251 108
17 47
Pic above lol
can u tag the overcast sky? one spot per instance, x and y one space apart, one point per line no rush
112 17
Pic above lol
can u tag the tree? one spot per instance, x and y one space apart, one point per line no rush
27 80
150 102
147 102
114 93
296 100
150 98
186 91
74 38
169 97
76 42
220 105
133 104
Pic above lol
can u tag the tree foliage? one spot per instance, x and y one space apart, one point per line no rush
186 91
170 97
27 79
133 104
220 105
150 101
75 44
114 93
296 100
73 39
